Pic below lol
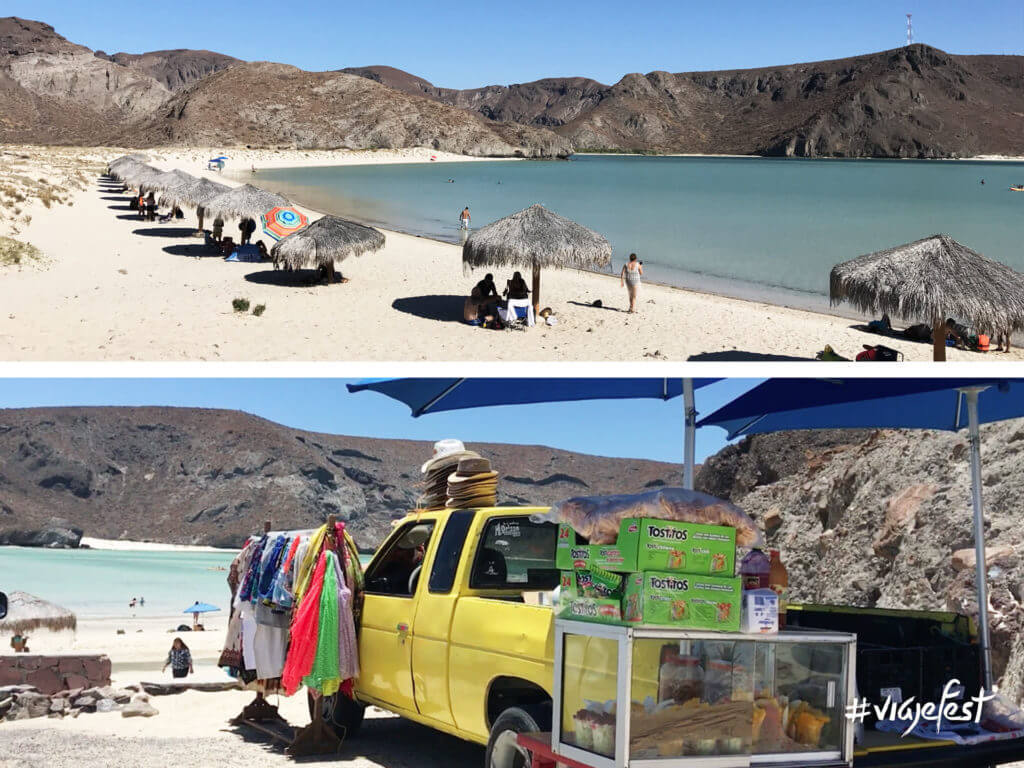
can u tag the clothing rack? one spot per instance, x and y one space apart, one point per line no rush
314 739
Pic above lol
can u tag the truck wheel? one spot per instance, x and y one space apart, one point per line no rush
502 749
340 712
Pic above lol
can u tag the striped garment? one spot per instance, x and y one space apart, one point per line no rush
179 658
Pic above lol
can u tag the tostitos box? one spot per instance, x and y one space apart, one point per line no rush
646 544
580 598
684 600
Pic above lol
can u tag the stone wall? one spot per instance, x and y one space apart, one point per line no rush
50 674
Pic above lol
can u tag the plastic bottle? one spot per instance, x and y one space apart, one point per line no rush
778 582
755 570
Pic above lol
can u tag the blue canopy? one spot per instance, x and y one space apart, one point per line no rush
435 395
198 607
781 404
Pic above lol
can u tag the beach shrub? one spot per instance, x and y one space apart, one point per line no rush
240 305
259 309
16 252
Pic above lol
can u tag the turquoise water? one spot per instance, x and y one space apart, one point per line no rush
101 582
752 227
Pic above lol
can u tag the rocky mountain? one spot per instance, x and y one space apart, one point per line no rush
267 104
883 518
173 69
915 101
195 476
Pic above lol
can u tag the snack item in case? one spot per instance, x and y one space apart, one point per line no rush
583 723
683 600
604 733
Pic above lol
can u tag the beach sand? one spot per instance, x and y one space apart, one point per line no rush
111 287
192 728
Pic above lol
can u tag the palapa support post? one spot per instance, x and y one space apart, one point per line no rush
317 738
939 341
536 291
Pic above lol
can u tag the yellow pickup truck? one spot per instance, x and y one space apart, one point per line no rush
448 640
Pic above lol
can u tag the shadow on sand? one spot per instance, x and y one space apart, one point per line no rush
121 198
385 740
444 307
195 250
299 278
120 207
591 306
164 232
739 355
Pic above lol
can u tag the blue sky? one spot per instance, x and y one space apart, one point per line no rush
649 429
463 45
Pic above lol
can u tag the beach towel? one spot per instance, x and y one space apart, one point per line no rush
305 632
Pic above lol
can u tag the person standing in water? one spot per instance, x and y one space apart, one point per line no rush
464 218
630 277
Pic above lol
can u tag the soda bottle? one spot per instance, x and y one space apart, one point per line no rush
778 582
755 570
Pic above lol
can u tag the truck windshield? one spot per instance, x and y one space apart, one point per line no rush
516 553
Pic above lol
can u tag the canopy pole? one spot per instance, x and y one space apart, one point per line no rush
689 433
939 341
980 565
536 291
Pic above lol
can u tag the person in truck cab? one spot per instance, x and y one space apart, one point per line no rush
396 575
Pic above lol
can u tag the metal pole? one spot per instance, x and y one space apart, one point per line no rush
979 534
689 433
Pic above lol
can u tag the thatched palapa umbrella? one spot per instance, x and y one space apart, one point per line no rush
536 237
26 613
932 279
139 175
244 202
324 242
197 194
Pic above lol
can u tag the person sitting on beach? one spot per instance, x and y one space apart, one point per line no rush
630 277
151 206
179 658
488 290
262 248
19 643
958 333
516 287
142 205
227 247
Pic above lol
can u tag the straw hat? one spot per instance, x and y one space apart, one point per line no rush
443 448
472 484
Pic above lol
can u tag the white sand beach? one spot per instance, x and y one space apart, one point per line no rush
192 728
108 286
144 546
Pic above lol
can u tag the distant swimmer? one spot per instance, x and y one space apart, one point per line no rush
464 218
451 181
982 181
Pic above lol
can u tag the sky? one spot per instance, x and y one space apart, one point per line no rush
646 429
464 45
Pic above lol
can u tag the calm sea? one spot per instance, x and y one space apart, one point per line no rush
101 582
750 227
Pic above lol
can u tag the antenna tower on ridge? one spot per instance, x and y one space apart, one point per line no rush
910 30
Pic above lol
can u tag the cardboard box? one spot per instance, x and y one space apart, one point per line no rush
683 600
760 612
653 545
573 605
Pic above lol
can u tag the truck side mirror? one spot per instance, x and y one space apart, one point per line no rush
3 605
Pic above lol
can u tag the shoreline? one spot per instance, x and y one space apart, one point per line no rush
124 545
112 287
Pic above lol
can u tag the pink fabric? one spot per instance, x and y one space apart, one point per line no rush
304 630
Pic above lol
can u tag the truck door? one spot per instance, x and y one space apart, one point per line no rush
385 639
435 608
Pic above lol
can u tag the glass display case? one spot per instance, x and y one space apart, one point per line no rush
660 697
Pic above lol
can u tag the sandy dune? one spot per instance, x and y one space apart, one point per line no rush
112 287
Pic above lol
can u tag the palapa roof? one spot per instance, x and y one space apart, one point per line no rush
930 280
244 202
26 613
138 174
536 237
326 240
194 194
169 180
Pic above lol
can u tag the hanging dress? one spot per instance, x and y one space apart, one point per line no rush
304 632
324 675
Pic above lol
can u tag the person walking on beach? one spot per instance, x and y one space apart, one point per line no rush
179 658
630 277
464 218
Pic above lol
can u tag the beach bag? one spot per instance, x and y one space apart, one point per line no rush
983 344
879 354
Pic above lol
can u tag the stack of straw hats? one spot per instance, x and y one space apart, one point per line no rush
472 484
447 454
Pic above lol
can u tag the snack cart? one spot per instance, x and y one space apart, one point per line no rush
659 697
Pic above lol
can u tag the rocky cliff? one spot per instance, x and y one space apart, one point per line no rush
883 518
173 69
193 476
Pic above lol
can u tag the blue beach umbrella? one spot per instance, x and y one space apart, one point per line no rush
196 608
425 396
944 404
